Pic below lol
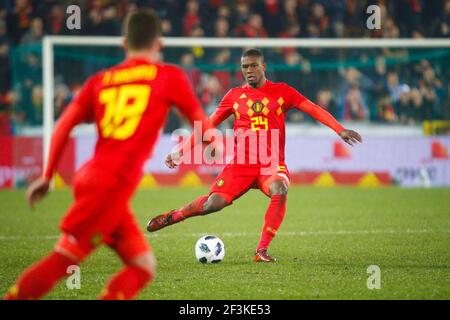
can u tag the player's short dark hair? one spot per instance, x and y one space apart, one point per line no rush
253 52
141 28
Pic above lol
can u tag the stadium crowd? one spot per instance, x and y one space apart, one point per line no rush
374 86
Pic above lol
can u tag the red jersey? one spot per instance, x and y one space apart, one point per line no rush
260 111
129 104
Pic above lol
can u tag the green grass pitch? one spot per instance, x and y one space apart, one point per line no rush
329 237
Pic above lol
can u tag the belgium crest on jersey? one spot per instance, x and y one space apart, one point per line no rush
257 106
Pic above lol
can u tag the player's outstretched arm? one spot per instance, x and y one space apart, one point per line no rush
320 114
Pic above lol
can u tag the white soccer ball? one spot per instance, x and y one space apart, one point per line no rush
209 249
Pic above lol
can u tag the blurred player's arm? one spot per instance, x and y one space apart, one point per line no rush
75 113
320 114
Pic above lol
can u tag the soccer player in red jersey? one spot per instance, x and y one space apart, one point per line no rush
259 107
129 104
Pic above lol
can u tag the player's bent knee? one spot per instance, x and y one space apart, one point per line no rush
146 262
215 203
278 187
69 247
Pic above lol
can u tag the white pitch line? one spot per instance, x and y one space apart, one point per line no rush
251 234
29 237
307 233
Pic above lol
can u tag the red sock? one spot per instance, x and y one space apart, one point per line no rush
126 284
194 208
40 277
272 220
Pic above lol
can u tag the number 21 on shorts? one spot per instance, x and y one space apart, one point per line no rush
124 107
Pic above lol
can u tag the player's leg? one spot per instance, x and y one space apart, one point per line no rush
138 258
97 194
203 205
228 186
276 188
41 277
131 279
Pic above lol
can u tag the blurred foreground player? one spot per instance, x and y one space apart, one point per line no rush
259 109
129 104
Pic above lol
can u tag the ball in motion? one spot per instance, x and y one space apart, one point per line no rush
209 249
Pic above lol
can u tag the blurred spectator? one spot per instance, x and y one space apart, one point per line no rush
222 28
417 89
191 18
430 88
390 29
409 15
441 26
318 22
354 106
394 87
63 95
417 113
336 12
378 88
6 124
405 108
35 33
187 61
271 13
291 22
325 100
354 19
111 24
241 13
166 27
291 18
224 12
102 20
37 102
210 92
222 58
57 19
6 97
19 20
385 108
27 93
253 28
3 7
318 18
446 104
293 68
5 65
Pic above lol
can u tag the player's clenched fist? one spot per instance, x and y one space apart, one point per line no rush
37 190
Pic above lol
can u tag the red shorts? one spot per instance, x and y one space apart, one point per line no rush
235 180
101 215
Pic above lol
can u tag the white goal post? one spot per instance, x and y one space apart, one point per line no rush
49 42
